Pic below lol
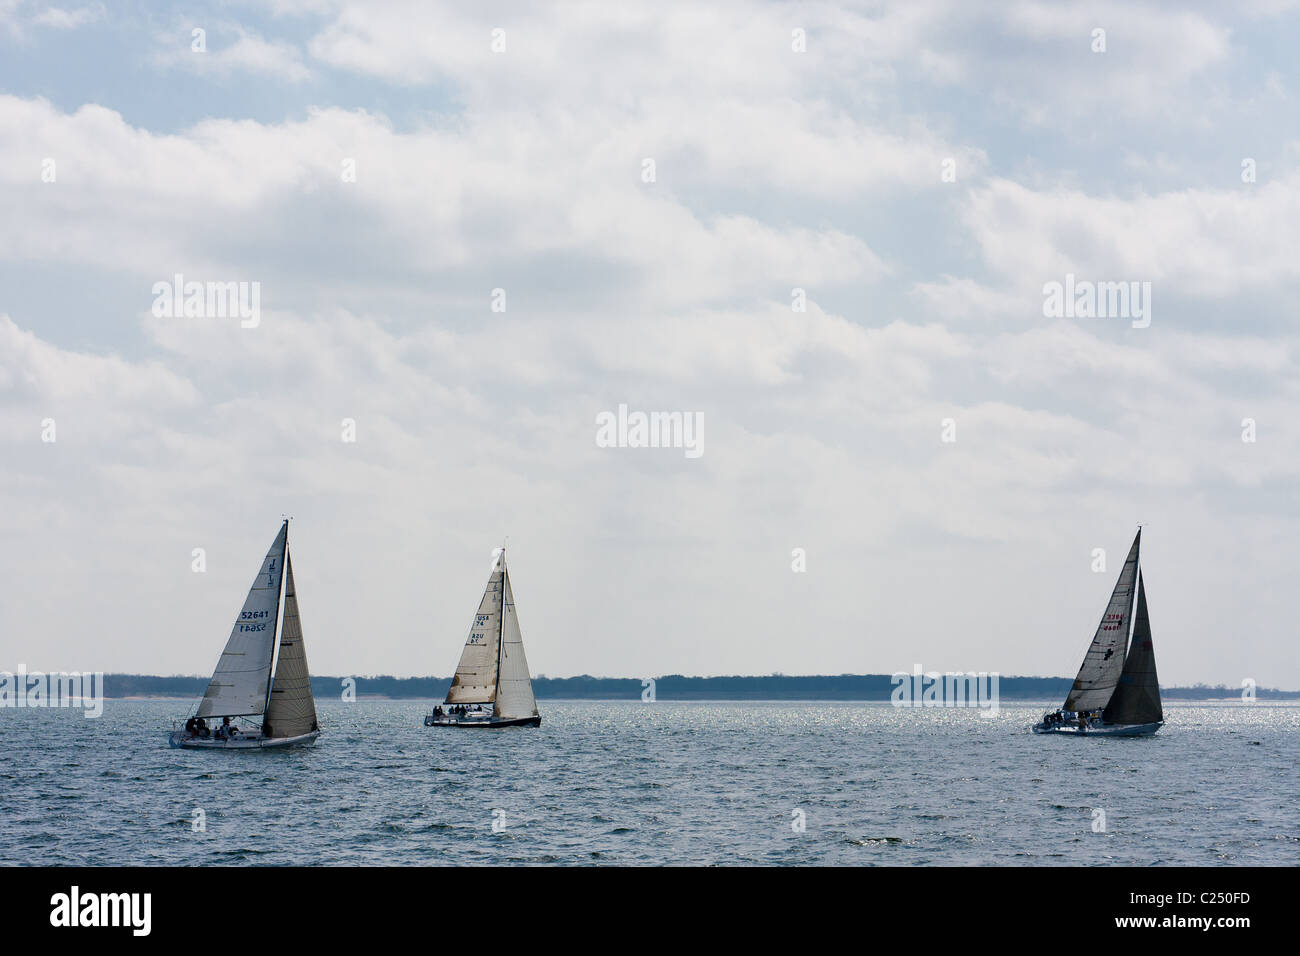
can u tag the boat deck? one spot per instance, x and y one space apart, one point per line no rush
466 721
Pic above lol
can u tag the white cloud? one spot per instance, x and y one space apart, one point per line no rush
1202 242
147 203
246 53
60 19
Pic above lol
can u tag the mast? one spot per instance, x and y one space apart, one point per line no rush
1132 618
501 629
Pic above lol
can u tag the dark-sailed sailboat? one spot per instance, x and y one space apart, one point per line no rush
1116 693
242 685
492 686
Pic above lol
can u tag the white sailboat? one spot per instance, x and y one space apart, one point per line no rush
492 687
242 686
1116 693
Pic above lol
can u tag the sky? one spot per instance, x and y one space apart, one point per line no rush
824 231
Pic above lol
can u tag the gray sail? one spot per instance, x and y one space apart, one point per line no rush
1137 697
238 685
476 674
292 709
1102 664
514 685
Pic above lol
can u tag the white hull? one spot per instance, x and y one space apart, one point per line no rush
1101 730
181 740
487 721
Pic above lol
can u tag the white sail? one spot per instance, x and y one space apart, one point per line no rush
515 686
292 710
476 674
1104 661
238 685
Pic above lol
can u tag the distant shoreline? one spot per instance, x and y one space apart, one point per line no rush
811 689
1006 702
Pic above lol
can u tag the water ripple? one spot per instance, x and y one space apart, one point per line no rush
633 783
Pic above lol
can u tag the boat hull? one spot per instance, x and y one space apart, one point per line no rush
491 723
182 741
1103 730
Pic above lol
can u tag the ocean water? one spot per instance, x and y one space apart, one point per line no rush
664 783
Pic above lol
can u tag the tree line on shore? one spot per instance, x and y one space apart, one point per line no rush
842 687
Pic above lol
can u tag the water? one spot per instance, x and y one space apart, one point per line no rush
678 783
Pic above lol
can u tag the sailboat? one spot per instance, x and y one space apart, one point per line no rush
1116 693
242 685
492 687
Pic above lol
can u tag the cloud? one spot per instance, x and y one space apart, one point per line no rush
1031 56
19 17
1200 242
231 50
34 371
121 197
60 19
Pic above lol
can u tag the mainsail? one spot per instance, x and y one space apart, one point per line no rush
1104 661
238 685
515 687
292 709
1137 698
476 674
